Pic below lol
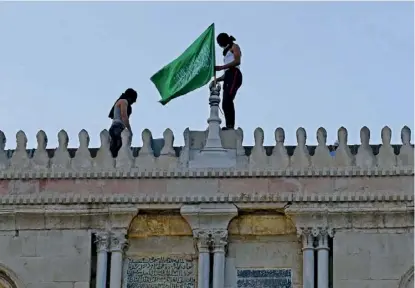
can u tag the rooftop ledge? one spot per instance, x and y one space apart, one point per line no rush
203 157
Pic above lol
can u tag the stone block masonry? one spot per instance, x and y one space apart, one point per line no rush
47 258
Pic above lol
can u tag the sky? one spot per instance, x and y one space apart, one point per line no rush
305 64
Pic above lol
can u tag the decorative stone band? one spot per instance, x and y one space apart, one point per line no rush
242 199
210 173
169 161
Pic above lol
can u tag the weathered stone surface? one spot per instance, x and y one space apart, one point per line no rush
169 272
261 252
159 225
372 255
48 258
209 187
261 225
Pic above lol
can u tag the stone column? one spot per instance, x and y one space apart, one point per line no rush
102 240
203 244
307 240
219 241
322 248
117 245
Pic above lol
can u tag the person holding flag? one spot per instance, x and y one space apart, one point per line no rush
195 67
232 78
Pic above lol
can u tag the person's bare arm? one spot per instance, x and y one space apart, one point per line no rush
237 55
124 115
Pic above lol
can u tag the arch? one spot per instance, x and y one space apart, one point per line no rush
8 279
407 280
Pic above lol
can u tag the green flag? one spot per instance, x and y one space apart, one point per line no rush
190 71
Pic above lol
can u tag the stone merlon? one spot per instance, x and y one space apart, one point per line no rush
160 156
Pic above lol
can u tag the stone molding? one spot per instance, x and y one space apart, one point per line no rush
43 163
241 199
326 221
134 173
115 217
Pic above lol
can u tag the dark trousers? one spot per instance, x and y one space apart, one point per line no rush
231 83
116 140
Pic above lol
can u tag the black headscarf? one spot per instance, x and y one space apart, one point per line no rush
131 96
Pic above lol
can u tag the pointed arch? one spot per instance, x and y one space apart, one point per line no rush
407 280
8 278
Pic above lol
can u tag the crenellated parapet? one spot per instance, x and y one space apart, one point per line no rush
161 157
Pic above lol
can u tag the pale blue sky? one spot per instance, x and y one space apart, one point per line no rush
309 64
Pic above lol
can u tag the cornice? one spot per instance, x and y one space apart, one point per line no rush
241 199
205 173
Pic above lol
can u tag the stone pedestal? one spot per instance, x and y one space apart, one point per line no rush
102 241
213 155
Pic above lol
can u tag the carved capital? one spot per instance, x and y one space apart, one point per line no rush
118 241
322 234
102 241
305 234
219 240
204 240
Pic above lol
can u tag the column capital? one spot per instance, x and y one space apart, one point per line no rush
102 241
322 235
117 241
219 240
305 234
204 240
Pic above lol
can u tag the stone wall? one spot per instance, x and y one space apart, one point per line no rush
372 258
161 251
263 252
47 258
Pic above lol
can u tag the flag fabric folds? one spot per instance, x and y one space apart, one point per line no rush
193 69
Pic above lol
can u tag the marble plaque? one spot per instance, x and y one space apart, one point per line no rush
264 278
160 272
